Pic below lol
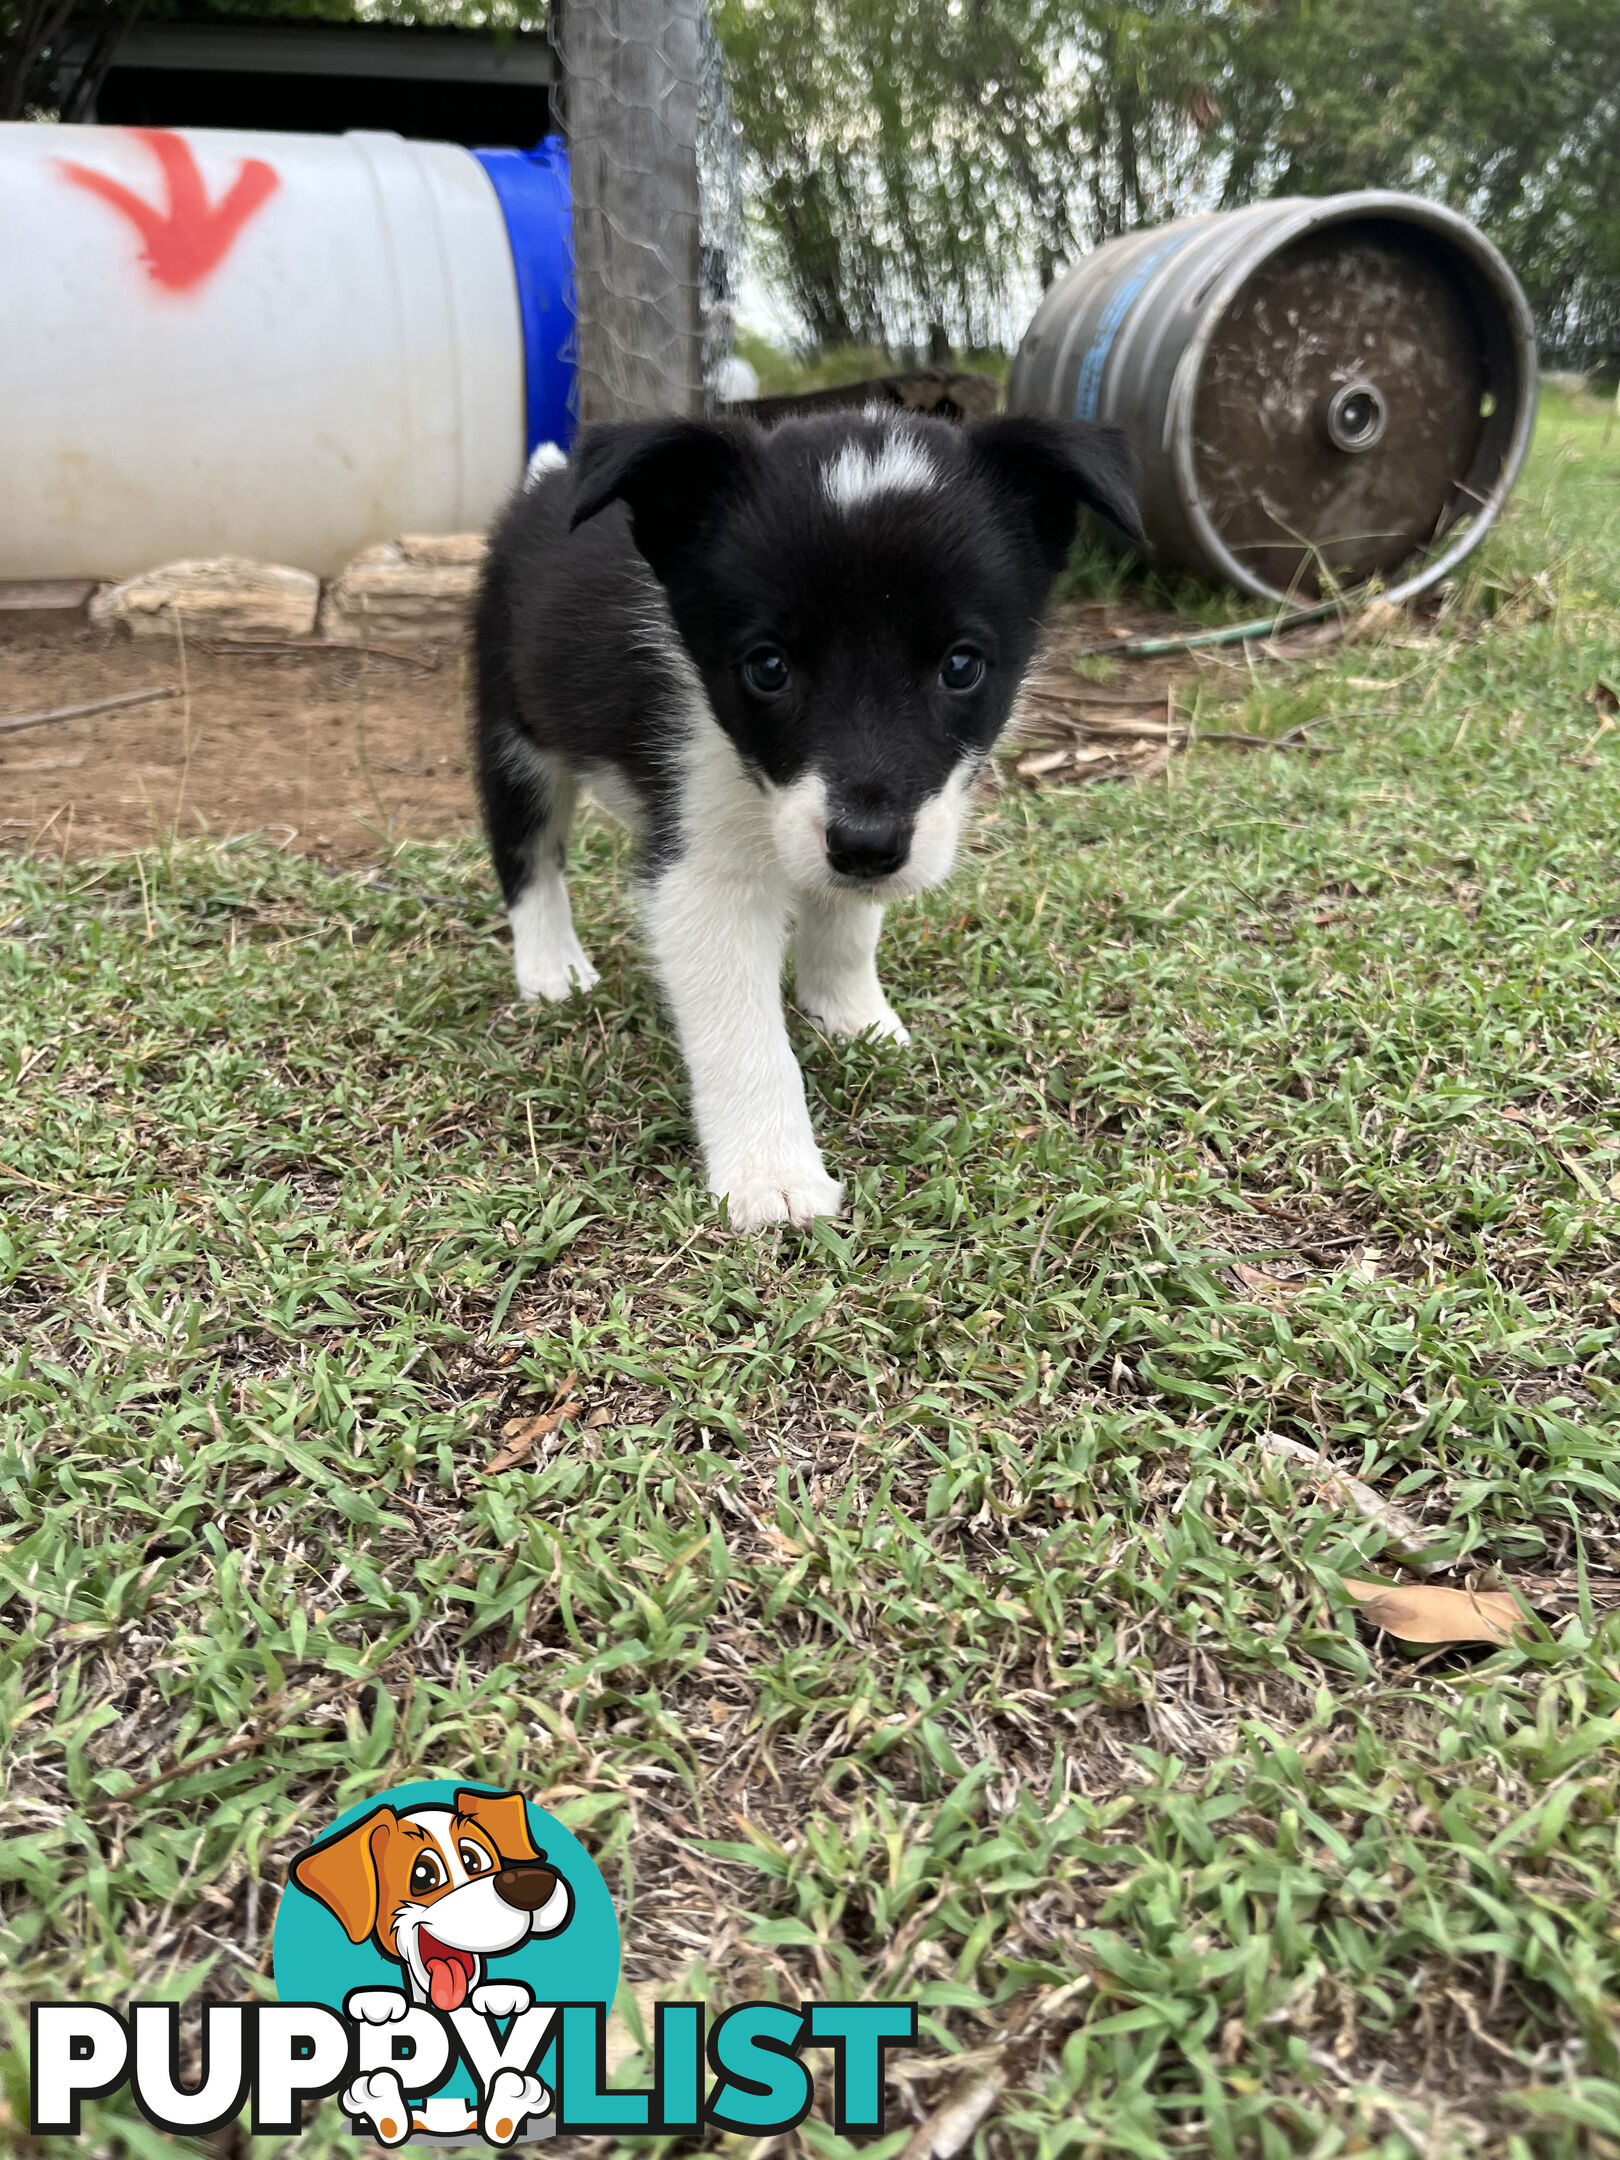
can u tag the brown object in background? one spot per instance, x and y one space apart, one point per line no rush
342 751
1293 384
1318 390
948 393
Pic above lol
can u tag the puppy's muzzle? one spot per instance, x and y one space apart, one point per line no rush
868 847
525 1885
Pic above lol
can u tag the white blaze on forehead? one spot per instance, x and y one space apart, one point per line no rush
440 1827
899 466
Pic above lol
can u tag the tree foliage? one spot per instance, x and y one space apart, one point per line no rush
928 161
914 158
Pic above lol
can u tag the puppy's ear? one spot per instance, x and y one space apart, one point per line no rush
1052 467
344 1872
503 1819
672 473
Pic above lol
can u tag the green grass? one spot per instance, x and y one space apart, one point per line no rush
914 1607
783 370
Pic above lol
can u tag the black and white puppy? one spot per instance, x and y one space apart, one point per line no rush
784 657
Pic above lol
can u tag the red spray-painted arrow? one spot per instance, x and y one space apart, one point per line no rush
190 237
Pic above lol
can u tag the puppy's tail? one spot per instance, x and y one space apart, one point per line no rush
546 458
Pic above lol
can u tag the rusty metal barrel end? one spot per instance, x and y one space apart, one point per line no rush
1325 396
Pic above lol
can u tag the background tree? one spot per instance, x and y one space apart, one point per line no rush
931 162
918 163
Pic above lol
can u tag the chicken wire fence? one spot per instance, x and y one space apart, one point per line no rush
656 179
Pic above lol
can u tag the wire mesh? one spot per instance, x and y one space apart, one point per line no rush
721 227
657 203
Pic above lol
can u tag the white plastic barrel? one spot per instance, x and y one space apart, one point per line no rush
285 347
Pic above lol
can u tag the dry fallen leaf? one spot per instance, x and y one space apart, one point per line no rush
954 2121
1403 1532
1044 761
1425 1613
783 1544
1265 1287
523 1435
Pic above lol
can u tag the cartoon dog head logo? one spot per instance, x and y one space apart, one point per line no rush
440 1889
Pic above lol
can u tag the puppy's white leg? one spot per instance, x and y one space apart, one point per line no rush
835 967
547 957
530 799
718 943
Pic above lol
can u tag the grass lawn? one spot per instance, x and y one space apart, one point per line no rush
912 1608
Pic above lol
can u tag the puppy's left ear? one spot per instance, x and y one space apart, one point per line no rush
345 1872
673 474
1052 467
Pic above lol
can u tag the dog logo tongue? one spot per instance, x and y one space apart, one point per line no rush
449 1971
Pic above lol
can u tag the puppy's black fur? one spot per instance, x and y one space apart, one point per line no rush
783 657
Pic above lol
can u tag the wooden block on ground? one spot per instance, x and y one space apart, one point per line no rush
44 595
444 548
419 587
224 596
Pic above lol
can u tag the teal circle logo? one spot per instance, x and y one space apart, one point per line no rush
448 1897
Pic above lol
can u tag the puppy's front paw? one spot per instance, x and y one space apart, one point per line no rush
379 2100
501 1998
512 2099
850 1021
549 977
793 1196
376 2006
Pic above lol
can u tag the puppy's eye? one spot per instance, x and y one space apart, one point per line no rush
963 669
426 1875
473 1857
766 671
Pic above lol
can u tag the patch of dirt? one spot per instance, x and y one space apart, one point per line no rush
340 754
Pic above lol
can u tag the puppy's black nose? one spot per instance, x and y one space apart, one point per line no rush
867 847
523 1884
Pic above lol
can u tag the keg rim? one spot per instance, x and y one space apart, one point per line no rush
1269 239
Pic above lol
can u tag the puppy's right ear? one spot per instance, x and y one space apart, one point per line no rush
1051 467
344 1872
673 474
